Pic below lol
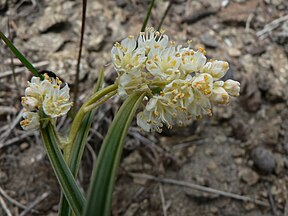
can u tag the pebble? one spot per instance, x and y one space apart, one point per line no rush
24 146
263 160
209 40
233 52
248 176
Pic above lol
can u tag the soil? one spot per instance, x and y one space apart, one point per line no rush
241 149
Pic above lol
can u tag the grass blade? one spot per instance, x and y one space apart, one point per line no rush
104 173
19 55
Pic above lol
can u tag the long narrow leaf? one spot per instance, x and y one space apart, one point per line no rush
63 174
104 173
19 55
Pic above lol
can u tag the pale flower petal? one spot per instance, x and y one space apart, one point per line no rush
216 68
232 87
31 120
219 96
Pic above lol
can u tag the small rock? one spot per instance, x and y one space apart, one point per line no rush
24 146
233 52
263 160
211 166
238 160
248 176
209 40
238 152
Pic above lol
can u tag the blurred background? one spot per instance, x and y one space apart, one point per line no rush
241 149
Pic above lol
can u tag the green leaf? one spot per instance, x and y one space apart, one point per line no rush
65 178
19 55
104 173
79 146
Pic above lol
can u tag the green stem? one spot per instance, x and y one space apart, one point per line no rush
147 15
80 115
94 105
95 97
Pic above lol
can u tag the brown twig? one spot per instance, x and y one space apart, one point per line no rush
34 203
199 187
271 201
164 206
4 207
165 14
14 202
76 83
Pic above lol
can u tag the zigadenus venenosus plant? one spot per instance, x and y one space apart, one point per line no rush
174 85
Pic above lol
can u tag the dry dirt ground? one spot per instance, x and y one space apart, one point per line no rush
242 149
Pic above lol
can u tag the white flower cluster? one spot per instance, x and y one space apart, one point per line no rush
187 84
46 95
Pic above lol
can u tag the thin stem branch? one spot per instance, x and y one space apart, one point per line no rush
199 187
165 14
80 115
76 83
94 105
147 15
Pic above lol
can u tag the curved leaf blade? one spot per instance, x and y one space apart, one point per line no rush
104 173
65 178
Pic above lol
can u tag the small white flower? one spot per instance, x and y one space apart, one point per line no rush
203 83
31 120
219 96
131 82
148 123
192 61
30 103
46 95
125 56
232 87
164 63
216 68
152 39
56 102
200 105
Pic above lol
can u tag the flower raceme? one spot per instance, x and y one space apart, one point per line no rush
46 95
180 83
